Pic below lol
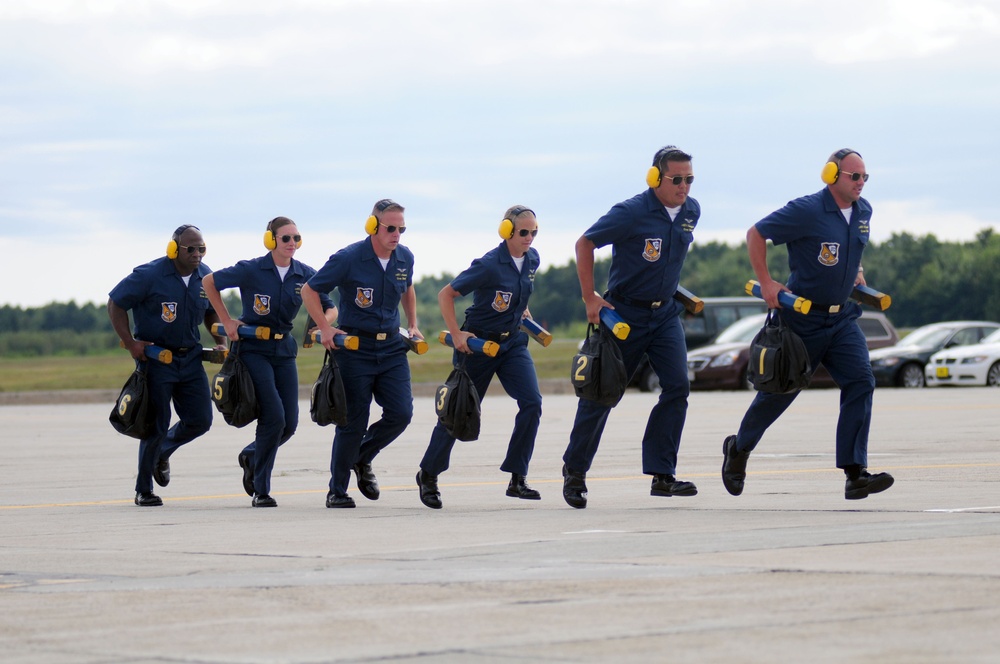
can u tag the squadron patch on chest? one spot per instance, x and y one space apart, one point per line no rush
829 253
651 252
502 301
168 311
364 297
261 304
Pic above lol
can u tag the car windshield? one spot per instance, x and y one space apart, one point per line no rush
743 330
926 336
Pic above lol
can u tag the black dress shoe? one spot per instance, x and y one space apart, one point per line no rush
518 488
574 488
247 466
333 500
367 484
867 484
734 466
429 494
161 473
666 485
147 499
264 500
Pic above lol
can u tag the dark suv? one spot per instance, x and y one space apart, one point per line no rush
701 329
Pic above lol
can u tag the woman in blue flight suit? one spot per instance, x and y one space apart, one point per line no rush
271 293
501 282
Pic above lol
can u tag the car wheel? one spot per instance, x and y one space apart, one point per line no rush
993 375
649 382
911 375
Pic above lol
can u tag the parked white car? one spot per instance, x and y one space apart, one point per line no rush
978 364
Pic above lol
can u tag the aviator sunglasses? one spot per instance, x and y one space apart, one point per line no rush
856 176
191 249
289 238
393 229
524 232
677 179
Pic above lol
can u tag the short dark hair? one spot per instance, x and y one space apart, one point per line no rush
386 205
669 153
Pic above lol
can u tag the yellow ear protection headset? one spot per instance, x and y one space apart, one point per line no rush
172 246
654 175
372 223
831 170
506 229
270 240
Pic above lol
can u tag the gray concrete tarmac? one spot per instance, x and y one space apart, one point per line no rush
790 571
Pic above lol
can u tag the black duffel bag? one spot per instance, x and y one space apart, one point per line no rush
779 361
133 414
598 372
457 404
328 399
233 391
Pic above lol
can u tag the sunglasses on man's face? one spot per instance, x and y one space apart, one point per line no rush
201 249
393 229
856 176
677 179
524 232
289 238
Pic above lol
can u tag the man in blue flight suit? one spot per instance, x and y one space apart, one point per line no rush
373 277
501 283
826 234
650 234
167 304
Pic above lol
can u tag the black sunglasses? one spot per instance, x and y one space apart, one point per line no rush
393 229
677 179
288 238
856 176
191 249
524 232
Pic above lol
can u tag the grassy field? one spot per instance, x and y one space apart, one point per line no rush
110 371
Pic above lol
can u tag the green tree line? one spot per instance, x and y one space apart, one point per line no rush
928 280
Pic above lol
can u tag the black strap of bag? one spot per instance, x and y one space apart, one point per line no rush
779 360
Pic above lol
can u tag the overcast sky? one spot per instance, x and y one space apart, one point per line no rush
121 120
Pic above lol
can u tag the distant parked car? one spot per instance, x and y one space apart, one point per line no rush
976 364
702 328
723 365
903 365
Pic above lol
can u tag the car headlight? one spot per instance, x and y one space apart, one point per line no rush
974 360
886 362
725 360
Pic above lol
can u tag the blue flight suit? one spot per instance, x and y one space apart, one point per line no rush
648 253
369 308
824 253
500 297
168 313
272 302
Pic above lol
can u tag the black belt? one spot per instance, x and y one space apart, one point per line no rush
377 336
179 352
496 337
827 308
642 304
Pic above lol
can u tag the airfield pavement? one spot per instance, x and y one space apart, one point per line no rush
788 572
